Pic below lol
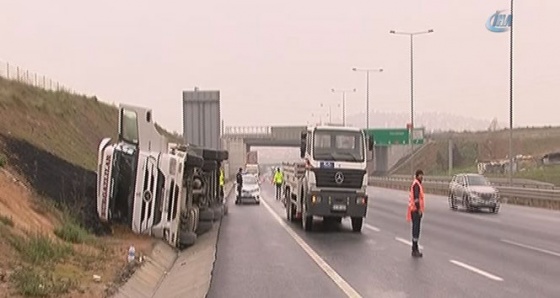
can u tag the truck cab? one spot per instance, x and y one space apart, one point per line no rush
332 181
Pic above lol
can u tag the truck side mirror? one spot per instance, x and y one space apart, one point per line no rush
370 143
303 143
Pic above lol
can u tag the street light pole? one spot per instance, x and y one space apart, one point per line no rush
511 96
343 102
367 71
410 137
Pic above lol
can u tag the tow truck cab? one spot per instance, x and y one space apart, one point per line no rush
336 182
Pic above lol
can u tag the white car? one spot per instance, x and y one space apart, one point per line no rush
251 189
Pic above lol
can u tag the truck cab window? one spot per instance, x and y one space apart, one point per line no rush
338 145
129 126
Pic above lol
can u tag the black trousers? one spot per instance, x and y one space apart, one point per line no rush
278 191
239 187
416 220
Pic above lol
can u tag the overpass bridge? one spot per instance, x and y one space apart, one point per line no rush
238 140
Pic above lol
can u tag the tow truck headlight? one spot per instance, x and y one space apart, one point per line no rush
361 201
315 199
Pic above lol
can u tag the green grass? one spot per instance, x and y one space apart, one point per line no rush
34 282
550 174
72 232
3 160
40 249
5 220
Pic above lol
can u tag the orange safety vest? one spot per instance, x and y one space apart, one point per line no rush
411 205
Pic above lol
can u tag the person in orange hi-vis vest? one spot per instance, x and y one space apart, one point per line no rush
416 210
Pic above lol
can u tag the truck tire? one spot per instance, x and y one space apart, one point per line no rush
194 161
218 212
306 220
210 165
217 155
203 227
186 239
357 223
206 215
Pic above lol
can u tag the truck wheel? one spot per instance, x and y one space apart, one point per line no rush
218 212
357 223
210 165
217 155
306 221
206 215
194 161
289 210
187 239
203 227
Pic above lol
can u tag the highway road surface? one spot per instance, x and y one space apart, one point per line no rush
515 253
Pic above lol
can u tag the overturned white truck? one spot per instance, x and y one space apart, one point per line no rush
169 191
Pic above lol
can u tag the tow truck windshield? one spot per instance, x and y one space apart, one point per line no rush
338 145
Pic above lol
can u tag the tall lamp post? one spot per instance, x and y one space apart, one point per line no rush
511 95
343 102
367 71
411 35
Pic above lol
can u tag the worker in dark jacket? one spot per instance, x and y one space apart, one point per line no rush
416 210
239 180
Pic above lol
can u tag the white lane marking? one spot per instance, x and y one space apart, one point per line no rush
531 247
370 227
407 242
338 280
476 270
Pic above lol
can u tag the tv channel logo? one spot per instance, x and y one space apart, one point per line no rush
500 21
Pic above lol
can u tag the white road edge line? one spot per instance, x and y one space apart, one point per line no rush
338 280
370 227
531 247
476 270
409 243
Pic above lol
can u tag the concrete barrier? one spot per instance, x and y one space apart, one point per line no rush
168 272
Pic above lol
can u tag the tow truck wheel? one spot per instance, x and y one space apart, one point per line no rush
306 221
357 223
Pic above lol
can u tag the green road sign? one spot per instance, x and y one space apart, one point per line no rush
388 137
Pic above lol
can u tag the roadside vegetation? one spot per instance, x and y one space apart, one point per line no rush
469 148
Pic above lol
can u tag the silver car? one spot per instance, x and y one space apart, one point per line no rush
473 192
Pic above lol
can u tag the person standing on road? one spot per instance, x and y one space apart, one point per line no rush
278 180
416 210
239 180
222 181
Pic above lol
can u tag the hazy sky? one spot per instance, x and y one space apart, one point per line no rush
276 61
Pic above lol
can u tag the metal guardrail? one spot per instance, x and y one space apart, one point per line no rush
538 197
521 183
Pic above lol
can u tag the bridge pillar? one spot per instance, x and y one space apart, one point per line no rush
237 149
381 158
